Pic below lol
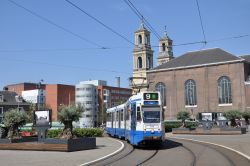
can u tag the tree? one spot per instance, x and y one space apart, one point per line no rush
246 116
183 115
13 119
232 115
67 115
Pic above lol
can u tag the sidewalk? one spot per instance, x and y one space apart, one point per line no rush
105 146
237 142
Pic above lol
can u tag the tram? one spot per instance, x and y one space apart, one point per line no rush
139 120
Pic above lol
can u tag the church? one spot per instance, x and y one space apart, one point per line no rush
204 81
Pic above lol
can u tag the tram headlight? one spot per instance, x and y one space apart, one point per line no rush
152 131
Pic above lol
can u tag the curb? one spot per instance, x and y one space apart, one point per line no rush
236 151
104 157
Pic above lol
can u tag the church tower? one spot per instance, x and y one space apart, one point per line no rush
142 60
165 49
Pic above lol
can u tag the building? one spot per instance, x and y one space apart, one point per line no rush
86 95
11 100
142 60
97 96
143 57
165 49
36 97
211 80
57 95
109 96
18 88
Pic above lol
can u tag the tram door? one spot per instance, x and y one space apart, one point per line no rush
133 121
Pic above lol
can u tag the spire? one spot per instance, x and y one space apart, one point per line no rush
165 49
142 27
165 35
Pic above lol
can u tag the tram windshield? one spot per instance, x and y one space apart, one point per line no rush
151 114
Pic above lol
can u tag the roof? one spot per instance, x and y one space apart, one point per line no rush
246 57
199 58
9 98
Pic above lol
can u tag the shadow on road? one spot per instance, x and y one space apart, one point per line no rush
167 144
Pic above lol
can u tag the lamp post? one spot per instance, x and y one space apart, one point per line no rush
38 97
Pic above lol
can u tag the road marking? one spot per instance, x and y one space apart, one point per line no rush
236 151
104 157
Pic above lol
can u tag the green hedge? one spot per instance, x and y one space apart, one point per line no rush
169 125
192 124
88 132
54 133
172 124
79 132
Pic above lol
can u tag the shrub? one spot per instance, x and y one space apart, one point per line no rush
232 115
169 125
67 115
183 115
246 116
54 133
13 119
78 132
88 132
192 124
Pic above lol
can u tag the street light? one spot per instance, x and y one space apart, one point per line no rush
38 98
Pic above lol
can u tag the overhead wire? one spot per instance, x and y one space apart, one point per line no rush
202 27
100 22
56 25
61 65
141 17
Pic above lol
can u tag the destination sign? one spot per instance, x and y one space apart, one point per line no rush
150 96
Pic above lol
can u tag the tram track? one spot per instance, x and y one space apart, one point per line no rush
146 160
176 152
129 153
199 150
193 163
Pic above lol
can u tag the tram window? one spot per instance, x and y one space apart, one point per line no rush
127 115
138 114
107 116
119 119
116 116
121 115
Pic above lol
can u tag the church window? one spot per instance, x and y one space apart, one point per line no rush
224 90
163 47
190 93
140 39
139 63
160 87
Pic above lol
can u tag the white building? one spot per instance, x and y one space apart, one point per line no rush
87 95
95 82
36 96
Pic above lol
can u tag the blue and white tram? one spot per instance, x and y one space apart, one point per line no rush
139 120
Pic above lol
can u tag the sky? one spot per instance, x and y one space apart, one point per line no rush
54 41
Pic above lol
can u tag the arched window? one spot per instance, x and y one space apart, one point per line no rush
140 39
139 63
160 87
163 47
224 90
190 93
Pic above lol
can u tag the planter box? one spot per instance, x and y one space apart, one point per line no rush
62 145
24 139
76 144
